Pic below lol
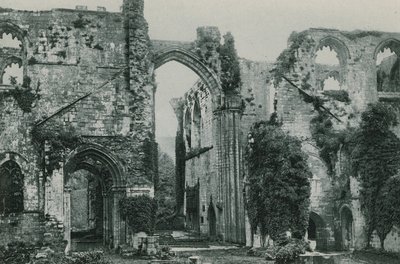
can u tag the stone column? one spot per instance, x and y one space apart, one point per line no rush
228 151
67 217
106 231
119 227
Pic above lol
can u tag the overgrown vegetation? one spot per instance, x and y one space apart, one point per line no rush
81 22
287 59
230 69
61 139
327 139
165 194
23 94
19 252
338 95
375 160
211 52
279 187
140 213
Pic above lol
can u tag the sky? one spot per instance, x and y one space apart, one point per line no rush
260 28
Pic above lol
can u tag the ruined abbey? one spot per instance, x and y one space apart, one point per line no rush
85 108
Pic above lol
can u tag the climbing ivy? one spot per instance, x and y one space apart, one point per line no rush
60 138
375 158
23 95
327 139
278 175
140 213
230 69
338 95
287 59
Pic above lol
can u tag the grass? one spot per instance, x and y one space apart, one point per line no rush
238 256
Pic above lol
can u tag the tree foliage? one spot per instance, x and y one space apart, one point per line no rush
375 159
279 187
165 193
230 69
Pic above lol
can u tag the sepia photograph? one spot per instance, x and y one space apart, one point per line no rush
199 132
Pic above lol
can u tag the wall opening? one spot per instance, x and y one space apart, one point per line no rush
12 74
326 55
11 188
317 232
312 230
388 70
346 220
178 124
331 84
86 206
196 125
330 61
212 221
7 40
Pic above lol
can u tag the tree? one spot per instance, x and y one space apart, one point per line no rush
165 193
375 159
279 182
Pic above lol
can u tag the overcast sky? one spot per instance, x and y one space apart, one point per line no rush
260 28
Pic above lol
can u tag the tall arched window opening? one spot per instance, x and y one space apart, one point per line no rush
11 188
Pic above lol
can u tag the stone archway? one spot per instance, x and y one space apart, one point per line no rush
193 62
317 231
347 228
108 173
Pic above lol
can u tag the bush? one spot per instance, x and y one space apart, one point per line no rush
140 213
16 253
291 251
89 258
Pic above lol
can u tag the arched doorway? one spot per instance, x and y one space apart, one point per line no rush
93 186
316 232
212 221
346 221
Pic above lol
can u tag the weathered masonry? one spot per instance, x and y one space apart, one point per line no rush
357 77
79 124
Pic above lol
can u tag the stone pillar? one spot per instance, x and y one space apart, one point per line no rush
67 218
141 96
227 123
54 194
106 231
119 227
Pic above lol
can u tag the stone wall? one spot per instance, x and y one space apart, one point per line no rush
356 52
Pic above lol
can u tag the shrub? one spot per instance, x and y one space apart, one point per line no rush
290 251
140 213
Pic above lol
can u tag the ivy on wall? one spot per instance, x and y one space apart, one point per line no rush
374 156
286 60
375 159
222 59
230 69
279 182
140 213
60 138
23 95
